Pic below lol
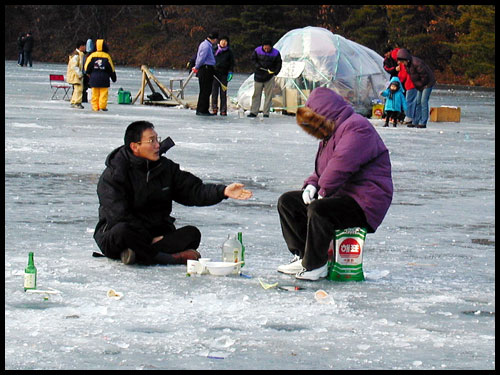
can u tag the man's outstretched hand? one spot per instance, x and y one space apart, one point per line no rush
236 191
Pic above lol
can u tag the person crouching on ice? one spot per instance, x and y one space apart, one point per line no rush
351 185
136 191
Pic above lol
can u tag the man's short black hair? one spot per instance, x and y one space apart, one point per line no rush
134 131
80 43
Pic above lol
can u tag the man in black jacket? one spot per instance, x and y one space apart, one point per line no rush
135 193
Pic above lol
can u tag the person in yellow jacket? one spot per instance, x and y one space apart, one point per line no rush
74 74
99 66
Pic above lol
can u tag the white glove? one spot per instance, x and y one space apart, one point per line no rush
308 194
320 196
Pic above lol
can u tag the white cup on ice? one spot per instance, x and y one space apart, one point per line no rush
193 267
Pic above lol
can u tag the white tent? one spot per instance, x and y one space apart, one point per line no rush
314 57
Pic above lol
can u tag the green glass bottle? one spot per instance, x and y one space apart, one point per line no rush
240 238
30 274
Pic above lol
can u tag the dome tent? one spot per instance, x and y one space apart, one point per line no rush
315 57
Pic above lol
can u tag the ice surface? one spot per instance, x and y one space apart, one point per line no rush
429 298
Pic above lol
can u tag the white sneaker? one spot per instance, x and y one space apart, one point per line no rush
313 275
293 267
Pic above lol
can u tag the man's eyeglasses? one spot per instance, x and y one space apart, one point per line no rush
151 140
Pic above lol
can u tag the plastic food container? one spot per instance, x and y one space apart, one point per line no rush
221 268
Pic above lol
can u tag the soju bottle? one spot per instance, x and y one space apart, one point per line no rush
231 252
240 238
30 274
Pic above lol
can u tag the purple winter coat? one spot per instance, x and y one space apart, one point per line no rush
354 160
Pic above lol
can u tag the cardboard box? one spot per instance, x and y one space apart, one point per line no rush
294 99
445 114
291 100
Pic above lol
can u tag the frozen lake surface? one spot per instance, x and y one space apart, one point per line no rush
428 301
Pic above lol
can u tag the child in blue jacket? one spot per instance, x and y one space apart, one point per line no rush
395 103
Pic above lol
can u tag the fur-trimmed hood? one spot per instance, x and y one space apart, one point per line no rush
324 110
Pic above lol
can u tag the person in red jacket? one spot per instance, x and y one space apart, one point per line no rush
411 95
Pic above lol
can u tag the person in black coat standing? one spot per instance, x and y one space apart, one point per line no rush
28 49
136 191
20 49
224 65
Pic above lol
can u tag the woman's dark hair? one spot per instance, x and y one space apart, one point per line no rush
134 131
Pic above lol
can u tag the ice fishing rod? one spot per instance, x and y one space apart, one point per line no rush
223 86
267 70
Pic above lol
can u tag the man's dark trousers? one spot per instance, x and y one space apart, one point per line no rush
308 229
205 80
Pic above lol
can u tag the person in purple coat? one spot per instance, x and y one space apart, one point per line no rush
267 65
204 69
351 185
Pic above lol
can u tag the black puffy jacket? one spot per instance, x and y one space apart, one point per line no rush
140 192
264 61
224 62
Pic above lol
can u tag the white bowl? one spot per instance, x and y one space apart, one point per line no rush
220 268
